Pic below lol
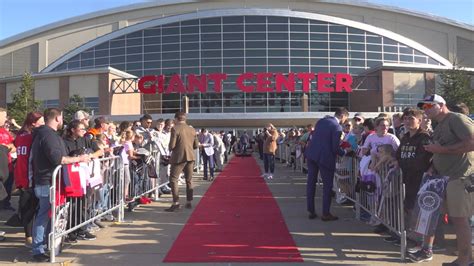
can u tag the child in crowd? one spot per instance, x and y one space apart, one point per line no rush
383 159
128 154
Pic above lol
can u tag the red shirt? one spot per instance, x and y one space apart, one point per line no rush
23 147
6 139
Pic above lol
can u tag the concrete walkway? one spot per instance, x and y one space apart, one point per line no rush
146 239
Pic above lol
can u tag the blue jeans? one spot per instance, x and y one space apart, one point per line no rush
269 162
208 162
42 223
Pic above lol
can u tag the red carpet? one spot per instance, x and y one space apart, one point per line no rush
237 220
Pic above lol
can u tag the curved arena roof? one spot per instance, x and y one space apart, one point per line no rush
146 5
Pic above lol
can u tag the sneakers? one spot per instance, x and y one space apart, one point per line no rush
270 176
380 229
421 256
340 197
391 239
99 224
71 238
413 250
264 175
109 217
40 258
84 235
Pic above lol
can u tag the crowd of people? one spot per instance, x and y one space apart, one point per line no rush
428 140
32 152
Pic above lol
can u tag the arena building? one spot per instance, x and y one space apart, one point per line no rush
229 60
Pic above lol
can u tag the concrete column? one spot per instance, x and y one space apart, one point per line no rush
104 94
185 108
63 91
305 102
388 88
3 95
430 83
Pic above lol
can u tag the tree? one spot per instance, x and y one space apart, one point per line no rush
456 87
23 100
76 103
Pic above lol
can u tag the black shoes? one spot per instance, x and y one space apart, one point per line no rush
173 208
84 235
188 205
380 229
40 258
312 216
328 218
164 190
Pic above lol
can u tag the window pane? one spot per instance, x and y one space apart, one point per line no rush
255 27
278 27
233 53
278 52
190 38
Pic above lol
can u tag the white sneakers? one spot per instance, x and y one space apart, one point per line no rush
267 175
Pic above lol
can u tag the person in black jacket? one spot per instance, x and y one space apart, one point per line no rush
47 152
414 161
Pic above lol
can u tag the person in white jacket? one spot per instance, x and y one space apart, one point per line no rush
219 151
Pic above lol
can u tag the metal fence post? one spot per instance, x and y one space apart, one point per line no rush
52 201
121 194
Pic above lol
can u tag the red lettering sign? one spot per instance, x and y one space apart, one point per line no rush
240 82
324 82
248 82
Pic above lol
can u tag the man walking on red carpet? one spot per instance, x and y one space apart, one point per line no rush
321 157
183 142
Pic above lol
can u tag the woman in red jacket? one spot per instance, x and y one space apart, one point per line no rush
28 201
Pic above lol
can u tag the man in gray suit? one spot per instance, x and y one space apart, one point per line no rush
183 142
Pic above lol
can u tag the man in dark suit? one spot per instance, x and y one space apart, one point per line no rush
321 158
183 142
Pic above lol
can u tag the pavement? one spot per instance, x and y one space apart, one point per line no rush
149 232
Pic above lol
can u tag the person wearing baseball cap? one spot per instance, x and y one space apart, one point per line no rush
430 100
82 116
453 156
358 119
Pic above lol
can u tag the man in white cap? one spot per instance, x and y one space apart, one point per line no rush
453 156
83 117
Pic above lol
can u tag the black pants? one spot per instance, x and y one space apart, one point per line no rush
8 184
27 207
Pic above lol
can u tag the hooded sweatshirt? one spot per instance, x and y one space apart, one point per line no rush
414 160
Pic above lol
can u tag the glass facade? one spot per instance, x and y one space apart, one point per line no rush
239 44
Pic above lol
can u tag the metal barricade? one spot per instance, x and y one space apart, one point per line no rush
345 178
100 197
379 193
144 177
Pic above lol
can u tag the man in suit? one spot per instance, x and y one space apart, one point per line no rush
321 158
183 142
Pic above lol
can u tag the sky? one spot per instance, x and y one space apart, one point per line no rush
17 16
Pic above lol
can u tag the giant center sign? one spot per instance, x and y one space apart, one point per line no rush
247 82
